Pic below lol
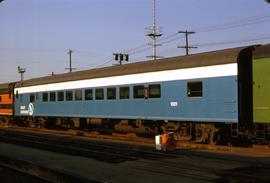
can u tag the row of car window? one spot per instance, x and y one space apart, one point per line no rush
194 89
6 106
139 92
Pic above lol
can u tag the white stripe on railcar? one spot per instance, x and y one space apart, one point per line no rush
159 76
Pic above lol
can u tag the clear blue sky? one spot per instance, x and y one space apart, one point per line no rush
36 34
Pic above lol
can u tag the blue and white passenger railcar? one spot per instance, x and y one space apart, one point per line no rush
200 88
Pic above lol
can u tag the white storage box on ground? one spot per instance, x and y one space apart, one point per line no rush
158 142
165 142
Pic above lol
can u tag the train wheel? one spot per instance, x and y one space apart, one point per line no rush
206 133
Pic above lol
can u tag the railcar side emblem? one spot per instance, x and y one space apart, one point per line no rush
31 109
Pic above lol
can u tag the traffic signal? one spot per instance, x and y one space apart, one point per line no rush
116 56
121 57
127 57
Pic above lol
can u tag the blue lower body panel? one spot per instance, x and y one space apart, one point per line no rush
218 103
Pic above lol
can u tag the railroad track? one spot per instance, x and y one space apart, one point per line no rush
10 171
181 163
116 152
33 173
58 145
246 175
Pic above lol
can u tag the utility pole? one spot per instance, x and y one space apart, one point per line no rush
70 61
21 71
187 47
154 32
121 57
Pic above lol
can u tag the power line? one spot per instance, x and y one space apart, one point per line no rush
89 53
140 51
263 37
135 50
170 50
146 47
30 50
175 36
105 63
236 24
168 39
47 50
171 40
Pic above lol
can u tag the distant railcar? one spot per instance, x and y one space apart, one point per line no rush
261 91
6 102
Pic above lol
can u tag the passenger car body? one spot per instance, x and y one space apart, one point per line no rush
201 87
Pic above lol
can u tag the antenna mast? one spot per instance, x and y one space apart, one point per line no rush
21 71
154 32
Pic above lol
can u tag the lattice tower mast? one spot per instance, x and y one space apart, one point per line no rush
154 33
